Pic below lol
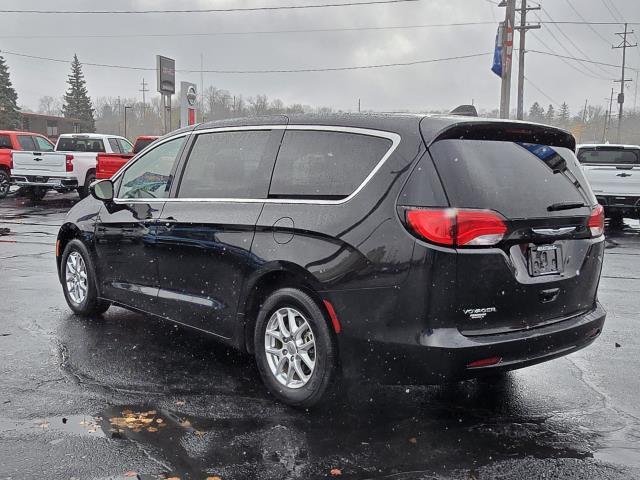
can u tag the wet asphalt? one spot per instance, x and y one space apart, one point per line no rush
125 396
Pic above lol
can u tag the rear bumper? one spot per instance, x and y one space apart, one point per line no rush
44 181
443 355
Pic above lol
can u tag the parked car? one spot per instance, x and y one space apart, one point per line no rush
71 166
614 174
110 163
410 249
9 141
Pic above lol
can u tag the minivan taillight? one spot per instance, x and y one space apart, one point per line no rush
596 221
69 162
457 227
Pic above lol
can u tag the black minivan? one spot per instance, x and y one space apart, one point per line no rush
404 248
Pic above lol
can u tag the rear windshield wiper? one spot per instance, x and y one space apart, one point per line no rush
554 207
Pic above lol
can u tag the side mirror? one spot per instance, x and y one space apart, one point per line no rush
102 190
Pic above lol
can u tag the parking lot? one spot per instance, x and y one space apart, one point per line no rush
72 388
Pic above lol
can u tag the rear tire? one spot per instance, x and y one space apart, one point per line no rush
79 282
84 191
5 183
295 372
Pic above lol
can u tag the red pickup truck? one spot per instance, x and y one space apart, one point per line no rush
110 163
10 140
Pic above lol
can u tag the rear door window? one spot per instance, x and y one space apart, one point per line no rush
325 164
228 165
518 180
42 144
608 156
26 142
5 141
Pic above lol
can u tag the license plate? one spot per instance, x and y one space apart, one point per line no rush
545 260
41 179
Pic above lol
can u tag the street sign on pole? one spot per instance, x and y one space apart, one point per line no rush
166 70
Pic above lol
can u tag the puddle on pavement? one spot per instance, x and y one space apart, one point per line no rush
84 425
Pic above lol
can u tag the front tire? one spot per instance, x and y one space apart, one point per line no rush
79 282
294 348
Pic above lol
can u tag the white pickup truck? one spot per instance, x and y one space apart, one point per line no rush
71 166
614 174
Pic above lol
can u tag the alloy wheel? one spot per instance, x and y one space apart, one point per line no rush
76 277
290 347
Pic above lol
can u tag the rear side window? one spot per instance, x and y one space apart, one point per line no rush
115 146
80 145
5 141
518 180
606 156
228 165
324 165
43 145
26 142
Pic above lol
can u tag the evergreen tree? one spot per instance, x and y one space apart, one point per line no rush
536 112
550 116
10 118
77 103
563 114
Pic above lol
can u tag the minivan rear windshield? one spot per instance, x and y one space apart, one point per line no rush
608 156
80 145
518 180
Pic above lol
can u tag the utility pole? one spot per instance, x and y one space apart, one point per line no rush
607 117
202 85
144 91
623 45
523 28
358 105
507 49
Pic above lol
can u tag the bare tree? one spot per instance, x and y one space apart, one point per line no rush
49 106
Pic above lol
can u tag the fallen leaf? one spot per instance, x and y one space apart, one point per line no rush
336 472
159 420
180 402
185 424
131 474
44 424
152 429
199 433
214 478
173 478
413 440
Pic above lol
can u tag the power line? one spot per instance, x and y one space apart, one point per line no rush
206 10
542 92
297 70
255 32
583 68
569 39
583 60
565 61
584 19
310 30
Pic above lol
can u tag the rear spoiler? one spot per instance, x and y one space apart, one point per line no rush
508 132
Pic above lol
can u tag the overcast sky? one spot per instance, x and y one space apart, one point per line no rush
428 86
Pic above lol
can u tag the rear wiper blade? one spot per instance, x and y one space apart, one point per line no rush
554 207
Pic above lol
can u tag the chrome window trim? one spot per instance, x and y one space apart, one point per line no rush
394 137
